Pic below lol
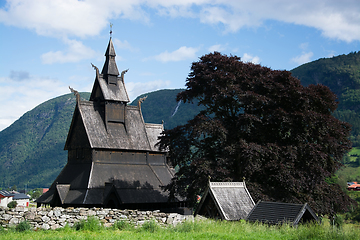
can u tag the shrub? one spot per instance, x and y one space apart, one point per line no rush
12 204
122 225
23 226
91 224
150 226
337 221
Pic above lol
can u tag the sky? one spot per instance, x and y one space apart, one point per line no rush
48 45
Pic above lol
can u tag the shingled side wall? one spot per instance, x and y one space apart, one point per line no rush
53 218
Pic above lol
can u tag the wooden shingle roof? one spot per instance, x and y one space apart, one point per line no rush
278 213
134 134
226 200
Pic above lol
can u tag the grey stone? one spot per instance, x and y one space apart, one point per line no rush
45 226
29 216
45 218
14 221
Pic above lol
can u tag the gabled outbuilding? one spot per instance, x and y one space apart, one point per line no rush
226 201
279 213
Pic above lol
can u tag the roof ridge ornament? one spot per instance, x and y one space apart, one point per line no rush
97 70
76 93
122 74
141 100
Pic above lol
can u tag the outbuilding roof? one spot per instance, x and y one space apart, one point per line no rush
278 213
226 200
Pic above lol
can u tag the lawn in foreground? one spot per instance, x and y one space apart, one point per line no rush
205 229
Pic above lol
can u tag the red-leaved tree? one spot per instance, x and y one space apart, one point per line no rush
261 125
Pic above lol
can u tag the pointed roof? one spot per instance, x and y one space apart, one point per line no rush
109 86
226 200
110 67
134 134
278 213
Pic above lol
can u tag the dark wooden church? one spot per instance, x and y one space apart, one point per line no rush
112 158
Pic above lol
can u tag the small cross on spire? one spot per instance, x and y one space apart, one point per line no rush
111 30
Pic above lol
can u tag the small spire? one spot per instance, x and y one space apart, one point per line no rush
111 30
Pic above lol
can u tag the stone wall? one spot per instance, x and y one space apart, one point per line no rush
53 218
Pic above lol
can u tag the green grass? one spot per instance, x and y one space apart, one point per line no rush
193 230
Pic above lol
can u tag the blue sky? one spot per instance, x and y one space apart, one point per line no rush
47 46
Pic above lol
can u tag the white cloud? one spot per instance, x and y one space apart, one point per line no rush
249 58
183 53
16 98
217 48
76 51
124 45
134 89
303 58
61 18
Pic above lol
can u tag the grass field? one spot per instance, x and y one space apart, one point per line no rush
191 230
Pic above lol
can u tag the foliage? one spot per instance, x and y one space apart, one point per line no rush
342 75
90 224
150 226
123 225
12 204
23 226
35 193
262 125
204 230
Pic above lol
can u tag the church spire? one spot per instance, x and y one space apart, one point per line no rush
110 69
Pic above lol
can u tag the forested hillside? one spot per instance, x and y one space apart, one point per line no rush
342 75
162 106
32 148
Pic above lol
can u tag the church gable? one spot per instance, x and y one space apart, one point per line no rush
77 136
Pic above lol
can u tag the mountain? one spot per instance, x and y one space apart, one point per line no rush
162 106
32 148
342 75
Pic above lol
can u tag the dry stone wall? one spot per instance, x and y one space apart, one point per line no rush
53 218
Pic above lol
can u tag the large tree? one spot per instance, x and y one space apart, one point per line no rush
261 125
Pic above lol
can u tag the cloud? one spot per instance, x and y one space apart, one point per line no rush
64 18
249 58
124 45
303 58
16 98
134 89
19 75
183 53
217 48
75 52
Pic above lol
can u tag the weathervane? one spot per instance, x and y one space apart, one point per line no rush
111 30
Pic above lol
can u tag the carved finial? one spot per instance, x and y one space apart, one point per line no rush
76 93
96 69
123 73
111 30
141 100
